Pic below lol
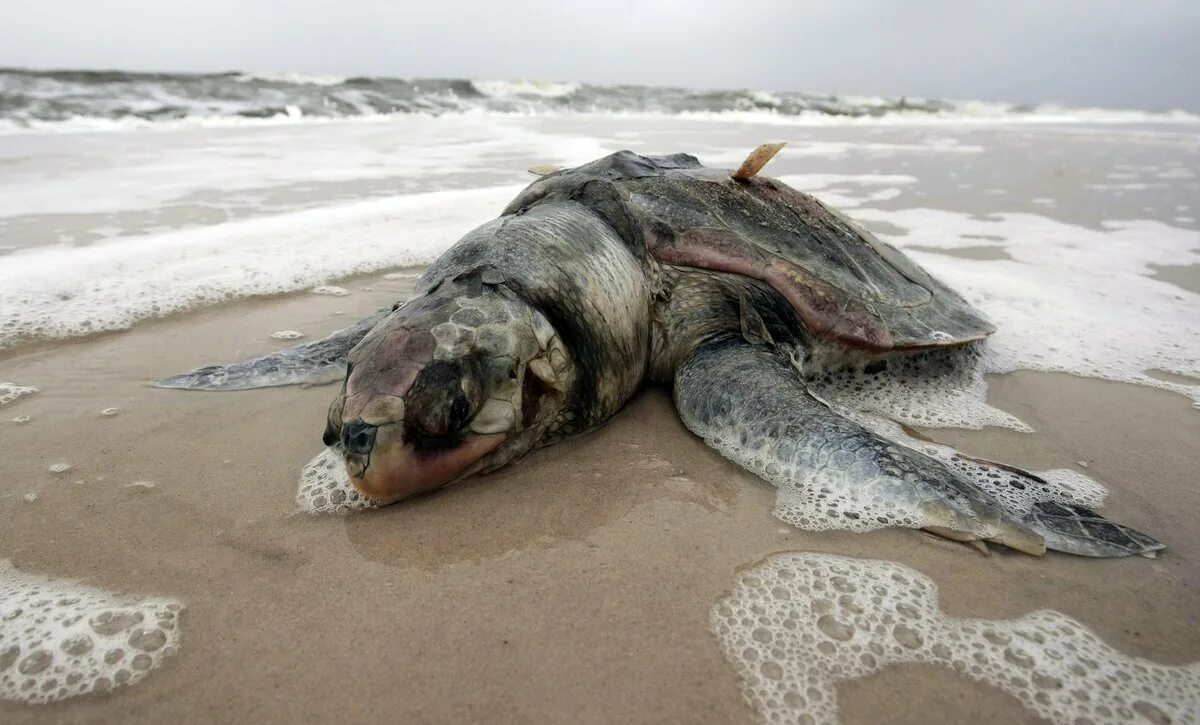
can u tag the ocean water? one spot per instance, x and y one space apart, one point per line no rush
1043 225
42 99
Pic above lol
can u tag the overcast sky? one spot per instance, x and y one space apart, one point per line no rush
1126 53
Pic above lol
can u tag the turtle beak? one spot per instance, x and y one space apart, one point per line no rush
386 468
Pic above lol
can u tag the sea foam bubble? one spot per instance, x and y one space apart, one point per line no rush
937 389
325 487
799 623
61 639
330 290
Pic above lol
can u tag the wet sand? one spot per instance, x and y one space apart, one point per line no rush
1183 276
574 586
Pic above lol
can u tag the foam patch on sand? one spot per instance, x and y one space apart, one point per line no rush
10 392
940 389
325 487
61 639
799 623
248 166
845 191
1072 299
48 294
731 158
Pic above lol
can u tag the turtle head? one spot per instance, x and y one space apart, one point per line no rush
462 379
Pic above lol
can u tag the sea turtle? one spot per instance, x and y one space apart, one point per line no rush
729 286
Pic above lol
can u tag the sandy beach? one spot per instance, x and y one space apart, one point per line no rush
576 585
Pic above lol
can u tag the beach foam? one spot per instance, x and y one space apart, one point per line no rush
61 639
843 191
269 169
325 487
799 623
10 392
1072 299
837 149
941 389
47 293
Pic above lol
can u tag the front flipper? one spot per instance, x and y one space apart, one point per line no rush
747 402
314 363
1055 504
751 405
1079 530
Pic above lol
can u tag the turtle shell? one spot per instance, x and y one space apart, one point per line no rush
844 283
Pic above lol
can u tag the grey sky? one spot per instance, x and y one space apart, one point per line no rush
1127 53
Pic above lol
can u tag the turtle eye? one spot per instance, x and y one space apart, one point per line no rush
459 410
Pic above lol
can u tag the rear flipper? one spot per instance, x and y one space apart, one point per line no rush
314 363
750 404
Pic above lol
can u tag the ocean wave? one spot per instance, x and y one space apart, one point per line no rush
98 100
52 292
508 89
293 78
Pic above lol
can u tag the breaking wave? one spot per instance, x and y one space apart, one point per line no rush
39 99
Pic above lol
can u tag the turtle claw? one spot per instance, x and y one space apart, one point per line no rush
977 544
988 525
1078 530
